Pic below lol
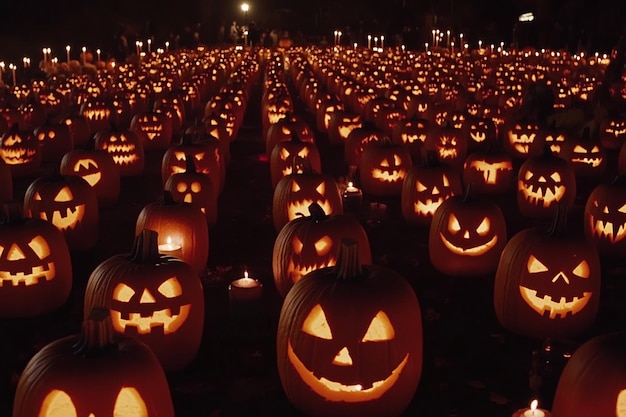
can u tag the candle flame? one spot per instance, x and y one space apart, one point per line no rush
534 404
245 274
350 184
168 240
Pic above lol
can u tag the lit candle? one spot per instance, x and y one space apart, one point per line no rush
335 38
426 46
369 41
25 62
354 45
169 248
67 53
12 68
352 197
533 411
84 55
448 37
433 40
382 41
339 37
245 289
98 53
375 42
1 70
45 59
149 45
167 46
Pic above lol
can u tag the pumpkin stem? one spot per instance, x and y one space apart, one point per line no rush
619 180
190 164
348 261
559 221
145 248
316 212
97 332
468 191
168 199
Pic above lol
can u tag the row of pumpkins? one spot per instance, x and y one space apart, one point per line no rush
320 317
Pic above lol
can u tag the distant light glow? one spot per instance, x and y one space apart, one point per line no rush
526 17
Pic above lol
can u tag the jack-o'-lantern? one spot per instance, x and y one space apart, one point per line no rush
98 169
359 139
519 138
99 114
156 128
54 141
196 188
605 218
466 236
388 117
612 132
543 182
183 223
312 242
425 187
79 129
126 149
481 133
350 340
557 139
284 129
294 193
547 282
69 203
586 155
153 297
53 102
593 381
35 265
383 168
412 134
21 151
284 154
342 122
488 171
449 143
325 112
94 373
33 116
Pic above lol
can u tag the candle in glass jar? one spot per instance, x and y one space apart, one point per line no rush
352 198
170 248
532 411
245 288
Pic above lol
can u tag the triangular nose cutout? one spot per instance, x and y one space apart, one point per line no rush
146 297
343 358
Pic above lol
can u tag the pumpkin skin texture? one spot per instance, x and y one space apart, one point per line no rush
6 182
383 168
349 341
593 382
156 298
605 218
466 237
35 265
312 242
93 374
547 284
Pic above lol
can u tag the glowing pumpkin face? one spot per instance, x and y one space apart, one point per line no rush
35 268
156 129
549 287
488 173
466 237
341 124
543 182
613 133
326 356
383 169
520 138
605 218
21 152
481 132
556 140
588 158
288 154
98 113
126 150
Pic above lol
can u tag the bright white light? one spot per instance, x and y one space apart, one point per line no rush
526 17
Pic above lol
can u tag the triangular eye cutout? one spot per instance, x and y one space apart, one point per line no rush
57 404
582 269
129 404
380 329
321 189
64 195
284 154
316 324
295 187
535 266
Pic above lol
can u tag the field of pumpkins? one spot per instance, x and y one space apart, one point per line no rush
316 232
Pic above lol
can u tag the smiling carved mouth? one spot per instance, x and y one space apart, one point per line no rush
166 318
350 393
607 230
473 251
558 308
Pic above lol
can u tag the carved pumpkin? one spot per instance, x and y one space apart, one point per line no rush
294 193
155 298
80 129
69 203
312 242
597 366
586 155
183 223
285 153
605 218
339 355
481 132
35 265
126 149
519 138
21 151
156 129
94 373
543 182
342 122
383 168
358 139
466 236
412 134
425 187
547 283
196 188
613 132
449 143
98 169
99 114
488 172
284 129
54 141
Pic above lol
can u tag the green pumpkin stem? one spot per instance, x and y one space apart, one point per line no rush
348 265
97 332
146 247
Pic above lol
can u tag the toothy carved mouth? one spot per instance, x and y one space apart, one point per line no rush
297 271
428 207
447 153
606 230
36 275
389 176
594 162
522 149
300 207
17 156
555 308
69 220
166 319
350 393
545 195
125 159
476 250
